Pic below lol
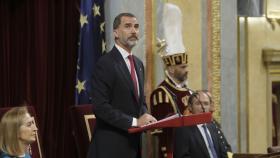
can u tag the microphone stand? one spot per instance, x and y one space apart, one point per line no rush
174 97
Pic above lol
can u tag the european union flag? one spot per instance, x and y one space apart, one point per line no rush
91 46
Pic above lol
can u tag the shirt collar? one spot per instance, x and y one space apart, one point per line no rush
123 52
199 125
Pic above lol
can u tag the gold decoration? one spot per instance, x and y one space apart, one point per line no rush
87 118
161 44
160 97
166 99
216 56
175 59
167 94
155 100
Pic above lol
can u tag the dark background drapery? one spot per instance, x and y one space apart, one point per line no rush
38 52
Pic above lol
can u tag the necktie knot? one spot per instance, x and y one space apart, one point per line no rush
130 58
204 127
133 74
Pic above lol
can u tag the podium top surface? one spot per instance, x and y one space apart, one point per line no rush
175 121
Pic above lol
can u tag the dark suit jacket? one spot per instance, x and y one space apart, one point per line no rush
189 143
115 106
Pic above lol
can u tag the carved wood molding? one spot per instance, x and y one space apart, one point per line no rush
215 45
271 58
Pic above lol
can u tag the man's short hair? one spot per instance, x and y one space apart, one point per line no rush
117 20
196 96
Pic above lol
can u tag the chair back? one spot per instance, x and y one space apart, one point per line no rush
83 122
35 150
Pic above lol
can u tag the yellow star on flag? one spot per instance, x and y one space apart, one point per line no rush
103 46
80 86
230 154
95 10
83 20
102 27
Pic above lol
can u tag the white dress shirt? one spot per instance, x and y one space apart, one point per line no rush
125 55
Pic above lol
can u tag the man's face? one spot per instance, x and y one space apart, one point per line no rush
127 33
181 72
196 108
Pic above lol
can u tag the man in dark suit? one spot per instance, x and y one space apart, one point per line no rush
118 95
203 140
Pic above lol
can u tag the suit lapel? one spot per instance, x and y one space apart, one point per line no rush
122 68
215 140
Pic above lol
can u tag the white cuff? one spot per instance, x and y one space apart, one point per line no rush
134 122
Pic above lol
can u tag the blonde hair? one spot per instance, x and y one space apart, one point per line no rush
9 129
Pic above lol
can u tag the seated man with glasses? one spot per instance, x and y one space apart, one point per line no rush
202 140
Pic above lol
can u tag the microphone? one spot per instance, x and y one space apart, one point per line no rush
174 97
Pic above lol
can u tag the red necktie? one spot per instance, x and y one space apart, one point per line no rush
133 74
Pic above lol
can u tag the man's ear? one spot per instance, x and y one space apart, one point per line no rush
116 34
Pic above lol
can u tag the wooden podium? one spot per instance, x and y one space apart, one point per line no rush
175 121
251 155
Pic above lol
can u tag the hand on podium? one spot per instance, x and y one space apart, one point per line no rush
145 119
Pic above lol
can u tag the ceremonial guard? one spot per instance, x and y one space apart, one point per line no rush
171 95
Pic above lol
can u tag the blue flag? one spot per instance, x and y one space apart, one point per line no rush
91 46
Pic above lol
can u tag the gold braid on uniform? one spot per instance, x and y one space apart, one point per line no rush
170 98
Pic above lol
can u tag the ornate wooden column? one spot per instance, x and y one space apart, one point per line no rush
214 54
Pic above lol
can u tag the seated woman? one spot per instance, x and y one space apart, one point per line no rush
18 131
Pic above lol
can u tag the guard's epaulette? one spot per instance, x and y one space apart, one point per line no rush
159 96
162 96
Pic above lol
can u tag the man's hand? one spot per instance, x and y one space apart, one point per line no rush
145 119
